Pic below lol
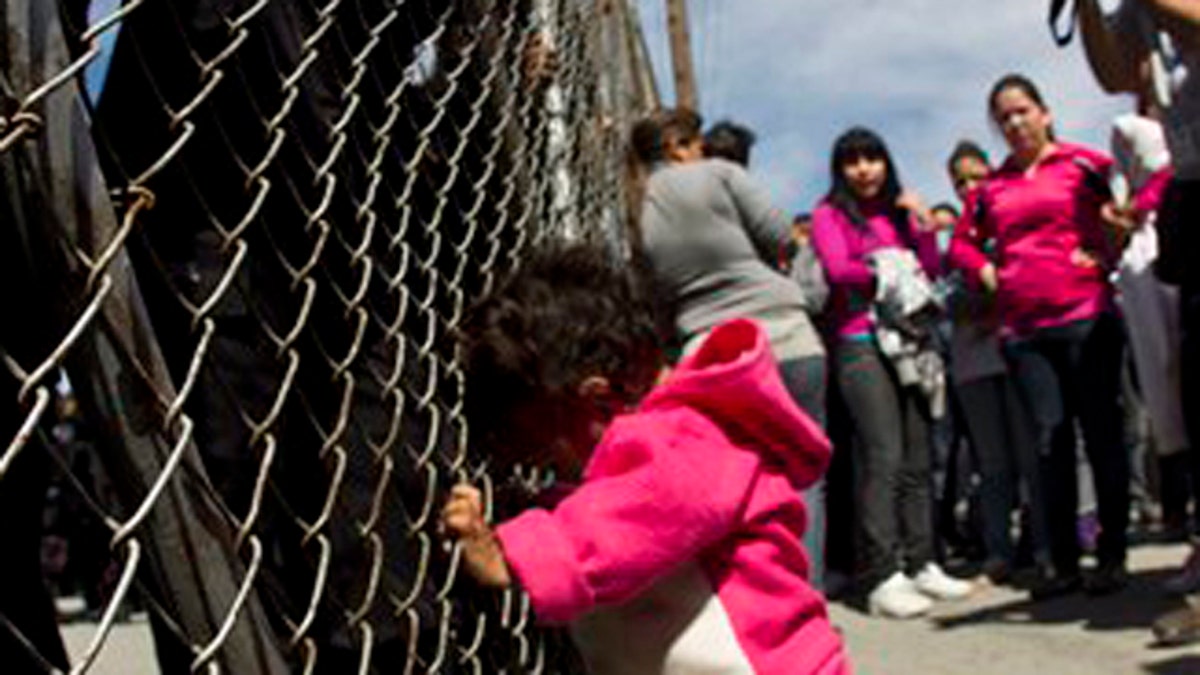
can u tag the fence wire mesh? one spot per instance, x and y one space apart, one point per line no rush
246 231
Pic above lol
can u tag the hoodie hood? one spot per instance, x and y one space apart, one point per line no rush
734 380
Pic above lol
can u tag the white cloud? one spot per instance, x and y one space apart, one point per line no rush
916 71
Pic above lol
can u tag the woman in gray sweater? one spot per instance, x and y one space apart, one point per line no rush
717 248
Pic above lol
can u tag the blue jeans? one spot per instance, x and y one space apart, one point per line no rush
1068 373
805 380
998 427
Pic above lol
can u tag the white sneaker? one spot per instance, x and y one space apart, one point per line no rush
897 598
1187 580
935 583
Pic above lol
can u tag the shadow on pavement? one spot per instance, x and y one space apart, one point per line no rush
1137 606
1179 665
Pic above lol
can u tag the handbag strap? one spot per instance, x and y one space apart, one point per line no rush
1062 38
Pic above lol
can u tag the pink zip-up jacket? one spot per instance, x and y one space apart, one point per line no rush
1041 223
680 552
843 248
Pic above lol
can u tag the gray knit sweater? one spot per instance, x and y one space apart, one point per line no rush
714 241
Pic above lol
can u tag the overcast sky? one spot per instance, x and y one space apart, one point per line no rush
799 72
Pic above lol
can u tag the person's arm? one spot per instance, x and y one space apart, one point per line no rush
965 253
807 272
922 219
1113 223
768 227
830 239
1149 197
928 254
1186 13
1114 56
463 518
617 534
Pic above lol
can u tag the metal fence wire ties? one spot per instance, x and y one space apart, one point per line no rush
210 650
40 404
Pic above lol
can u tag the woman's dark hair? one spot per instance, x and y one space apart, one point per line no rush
1026 86
650 134
862 142
646 140
946 207
571 311
962 150
730 141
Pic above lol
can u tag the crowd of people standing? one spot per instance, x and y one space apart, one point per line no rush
1004 319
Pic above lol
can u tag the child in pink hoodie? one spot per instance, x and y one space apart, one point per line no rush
680 551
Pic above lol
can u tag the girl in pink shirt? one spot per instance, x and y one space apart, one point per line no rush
1042 214
866 212
680 550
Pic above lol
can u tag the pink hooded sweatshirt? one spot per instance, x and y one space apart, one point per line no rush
681 551
1041 222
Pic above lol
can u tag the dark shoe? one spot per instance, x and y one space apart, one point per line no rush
1051 585
1187 580
1178 627
1107 579
997 571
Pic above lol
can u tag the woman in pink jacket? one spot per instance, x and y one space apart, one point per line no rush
866 213
680 550
1035 233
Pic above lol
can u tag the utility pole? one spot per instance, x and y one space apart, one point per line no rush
644 85
681 55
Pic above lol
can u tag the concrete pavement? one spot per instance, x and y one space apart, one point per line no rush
996 632
127 651
999 631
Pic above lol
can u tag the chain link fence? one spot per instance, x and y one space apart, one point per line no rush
246 230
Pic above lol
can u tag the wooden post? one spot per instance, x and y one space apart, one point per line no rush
681 55
645 87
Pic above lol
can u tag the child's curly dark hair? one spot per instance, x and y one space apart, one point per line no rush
571 311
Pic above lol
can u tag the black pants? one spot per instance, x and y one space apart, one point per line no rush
1179 244
953 462
998 428
1190 382
891 457
841 510
1070 374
